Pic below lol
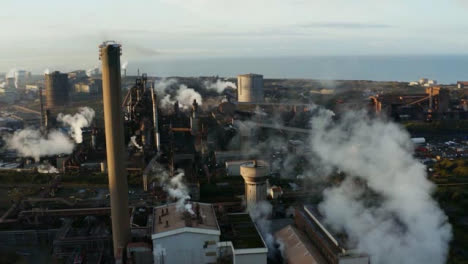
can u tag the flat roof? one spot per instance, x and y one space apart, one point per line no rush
176 218
250 75
241 231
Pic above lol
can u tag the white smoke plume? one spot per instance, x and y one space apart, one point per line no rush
404 224
93 71
125 65
179 191
260 214
164 84
47 71
219 86
77 122
134 143
184 96
31 143
46 168
175 186
11 73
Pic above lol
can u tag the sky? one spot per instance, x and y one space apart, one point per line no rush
58 33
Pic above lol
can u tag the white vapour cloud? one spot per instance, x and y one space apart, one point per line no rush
125 65
46 168
260 214
179 191
134 143
183 95
163 84
93 71
186 95
405 225
11 73
175 186
219 86
31 143
77 122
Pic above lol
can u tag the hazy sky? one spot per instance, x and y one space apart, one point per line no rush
53 33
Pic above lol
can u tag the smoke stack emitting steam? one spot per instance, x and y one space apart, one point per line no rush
175 186
402 223
407 225
32 143
118 188
78 121
171 91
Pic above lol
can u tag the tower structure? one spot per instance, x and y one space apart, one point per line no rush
250 88
255 176
56 85
118 188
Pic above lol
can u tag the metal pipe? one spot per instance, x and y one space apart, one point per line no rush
155 118
118 188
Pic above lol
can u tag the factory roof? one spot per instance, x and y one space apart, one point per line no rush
336 241
297 248
241 231
255 164
170 220
316 217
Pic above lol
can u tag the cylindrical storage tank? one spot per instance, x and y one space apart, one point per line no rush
250 88
255 176
56 85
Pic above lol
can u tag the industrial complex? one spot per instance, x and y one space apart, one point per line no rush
105 167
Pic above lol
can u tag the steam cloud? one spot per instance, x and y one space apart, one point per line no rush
175 187
31 143
125 65
384 204
260 214
179 191
404 224
219 86
134 143
46 168
92 72
184 96
173 91
77 122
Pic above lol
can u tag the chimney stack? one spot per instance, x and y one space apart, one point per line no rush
111 81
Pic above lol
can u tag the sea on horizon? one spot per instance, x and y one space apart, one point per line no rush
446 69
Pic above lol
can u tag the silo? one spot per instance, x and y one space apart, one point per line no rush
250 88
255 176
115 150
56 85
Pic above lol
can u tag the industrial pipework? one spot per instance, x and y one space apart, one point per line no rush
109 54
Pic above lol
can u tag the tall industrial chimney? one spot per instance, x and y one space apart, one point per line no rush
155 119
110 56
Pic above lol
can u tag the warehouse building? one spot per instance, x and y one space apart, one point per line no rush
334 248
182 235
